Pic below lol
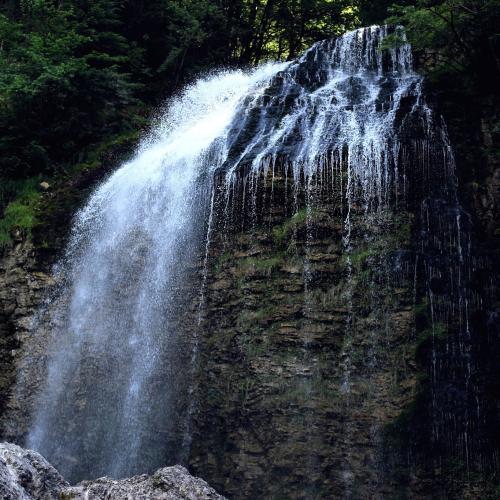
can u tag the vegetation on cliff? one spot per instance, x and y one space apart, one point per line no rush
75 74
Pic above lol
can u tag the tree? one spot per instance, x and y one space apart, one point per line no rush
64 71
460 35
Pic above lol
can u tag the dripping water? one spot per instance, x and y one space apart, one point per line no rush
120 372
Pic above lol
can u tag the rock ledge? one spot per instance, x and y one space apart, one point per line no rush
26 475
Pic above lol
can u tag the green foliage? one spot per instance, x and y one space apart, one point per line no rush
457 47
261 264
19 215
298 220
458 37
64 80
75 72
269 28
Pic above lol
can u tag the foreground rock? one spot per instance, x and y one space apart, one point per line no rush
26 475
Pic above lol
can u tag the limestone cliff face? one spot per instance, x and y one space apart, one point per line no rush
311 358
308 352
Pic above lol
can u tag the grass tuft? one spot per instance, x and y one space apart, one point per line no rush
20 214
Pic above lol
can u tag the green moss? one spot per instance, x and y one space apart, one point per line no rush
299 219
365 277
437 332
265 265
300 391
12 189
250 318
110 145
403 232
86 166
256 347
23 204
422 307
399 229
357 258
393 232
221 260
360 257
20 214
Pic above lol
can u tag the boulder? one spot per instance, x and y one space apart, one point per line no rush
26 475
169 483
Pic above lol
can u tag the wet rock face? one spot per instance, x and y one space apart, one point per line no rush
318 342
24 281
316 364
309 349
26 475
310 356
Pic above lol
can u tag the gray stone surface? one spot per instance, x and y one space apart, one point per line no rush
169 483
26 475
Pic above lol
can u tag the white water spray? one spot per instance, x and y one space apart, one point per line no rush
113 379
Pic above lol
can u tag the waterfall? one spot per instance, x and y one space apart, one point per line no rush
346 125
115 375
340 102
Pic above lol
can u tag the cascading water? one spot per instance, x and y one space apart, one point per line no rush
345 132
115 376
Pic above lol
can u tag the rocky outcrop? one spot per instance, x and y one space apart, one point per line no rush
172 483
26 475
